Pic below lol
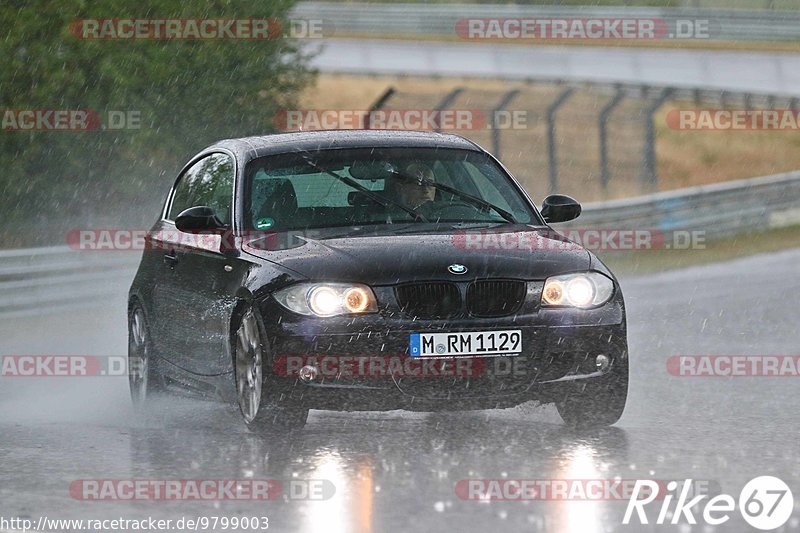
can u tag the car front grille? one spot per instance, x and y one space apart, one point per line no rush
495 298
429 300
442 299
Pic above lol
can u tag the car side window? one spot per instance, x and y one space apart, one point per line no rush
208 182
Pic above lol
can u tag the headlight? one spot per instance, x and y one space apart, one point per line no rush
327 299
584 289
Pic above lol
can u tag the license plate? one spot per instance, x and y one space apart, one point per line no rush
480 343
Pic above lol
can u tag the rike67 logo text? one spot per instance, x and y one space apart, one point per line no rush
765 503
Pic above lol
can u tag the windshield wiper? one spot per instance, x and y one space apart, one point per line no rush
386 202
468 197
361 229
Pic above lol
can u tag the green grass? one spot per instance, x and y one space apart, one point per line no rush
723 249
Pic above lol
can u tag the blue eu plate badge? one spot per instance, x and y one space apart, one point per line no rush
414 346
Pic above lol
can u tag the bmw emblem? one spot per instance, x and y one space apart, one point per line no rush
455 268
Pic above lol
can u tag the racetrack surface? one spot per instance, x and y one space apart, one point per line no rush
398 471
759 72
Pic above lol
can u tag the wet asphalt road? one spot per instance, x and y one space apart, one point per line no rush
398 471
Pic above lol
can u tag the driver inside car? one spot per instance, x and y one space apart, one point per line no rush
414 193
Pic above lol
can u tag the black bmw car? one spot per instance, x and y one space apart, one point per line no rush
371 270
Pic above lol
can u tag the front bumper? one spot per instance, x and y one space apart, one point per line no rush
363 362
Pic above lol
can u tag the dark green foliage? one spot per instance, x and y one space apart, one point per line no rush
187 93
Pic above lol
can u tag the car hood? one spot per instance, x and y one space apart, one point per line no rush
519 252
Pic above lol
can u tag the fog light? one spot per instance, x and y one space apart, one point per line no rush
602 363
308 373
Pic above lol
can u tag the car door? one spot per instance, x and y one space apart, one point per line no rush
196 294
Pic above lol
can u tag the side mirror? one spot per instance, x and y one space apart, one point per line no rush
560 208
199 219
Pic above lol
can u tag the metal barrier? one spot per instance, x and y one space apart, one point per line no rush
720 209
35 281
440 19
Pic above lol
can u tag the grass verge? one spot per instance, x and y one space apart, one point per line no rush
640 262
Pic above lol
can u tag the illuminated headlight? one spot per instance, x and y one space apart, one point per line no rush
327 299
583 289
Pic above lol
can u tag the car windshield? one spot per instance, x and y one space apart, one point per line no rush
335 188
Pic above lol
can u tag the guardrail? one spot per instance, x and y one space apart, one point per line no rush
37 280
34 281
440 19
718 210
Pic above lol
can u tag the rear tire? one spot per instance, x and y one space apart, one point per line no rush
257 404
596 403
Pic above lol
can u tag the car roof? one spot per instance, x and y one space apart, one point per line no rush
248 148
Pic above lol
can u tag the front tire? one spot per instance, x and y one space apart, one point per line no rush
143 378
253 392
599 402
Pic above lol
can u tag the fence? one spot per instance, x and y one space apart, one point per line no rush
761 20
594 141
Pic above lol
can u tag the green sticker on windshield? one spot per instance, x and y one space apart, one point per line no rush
264 223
